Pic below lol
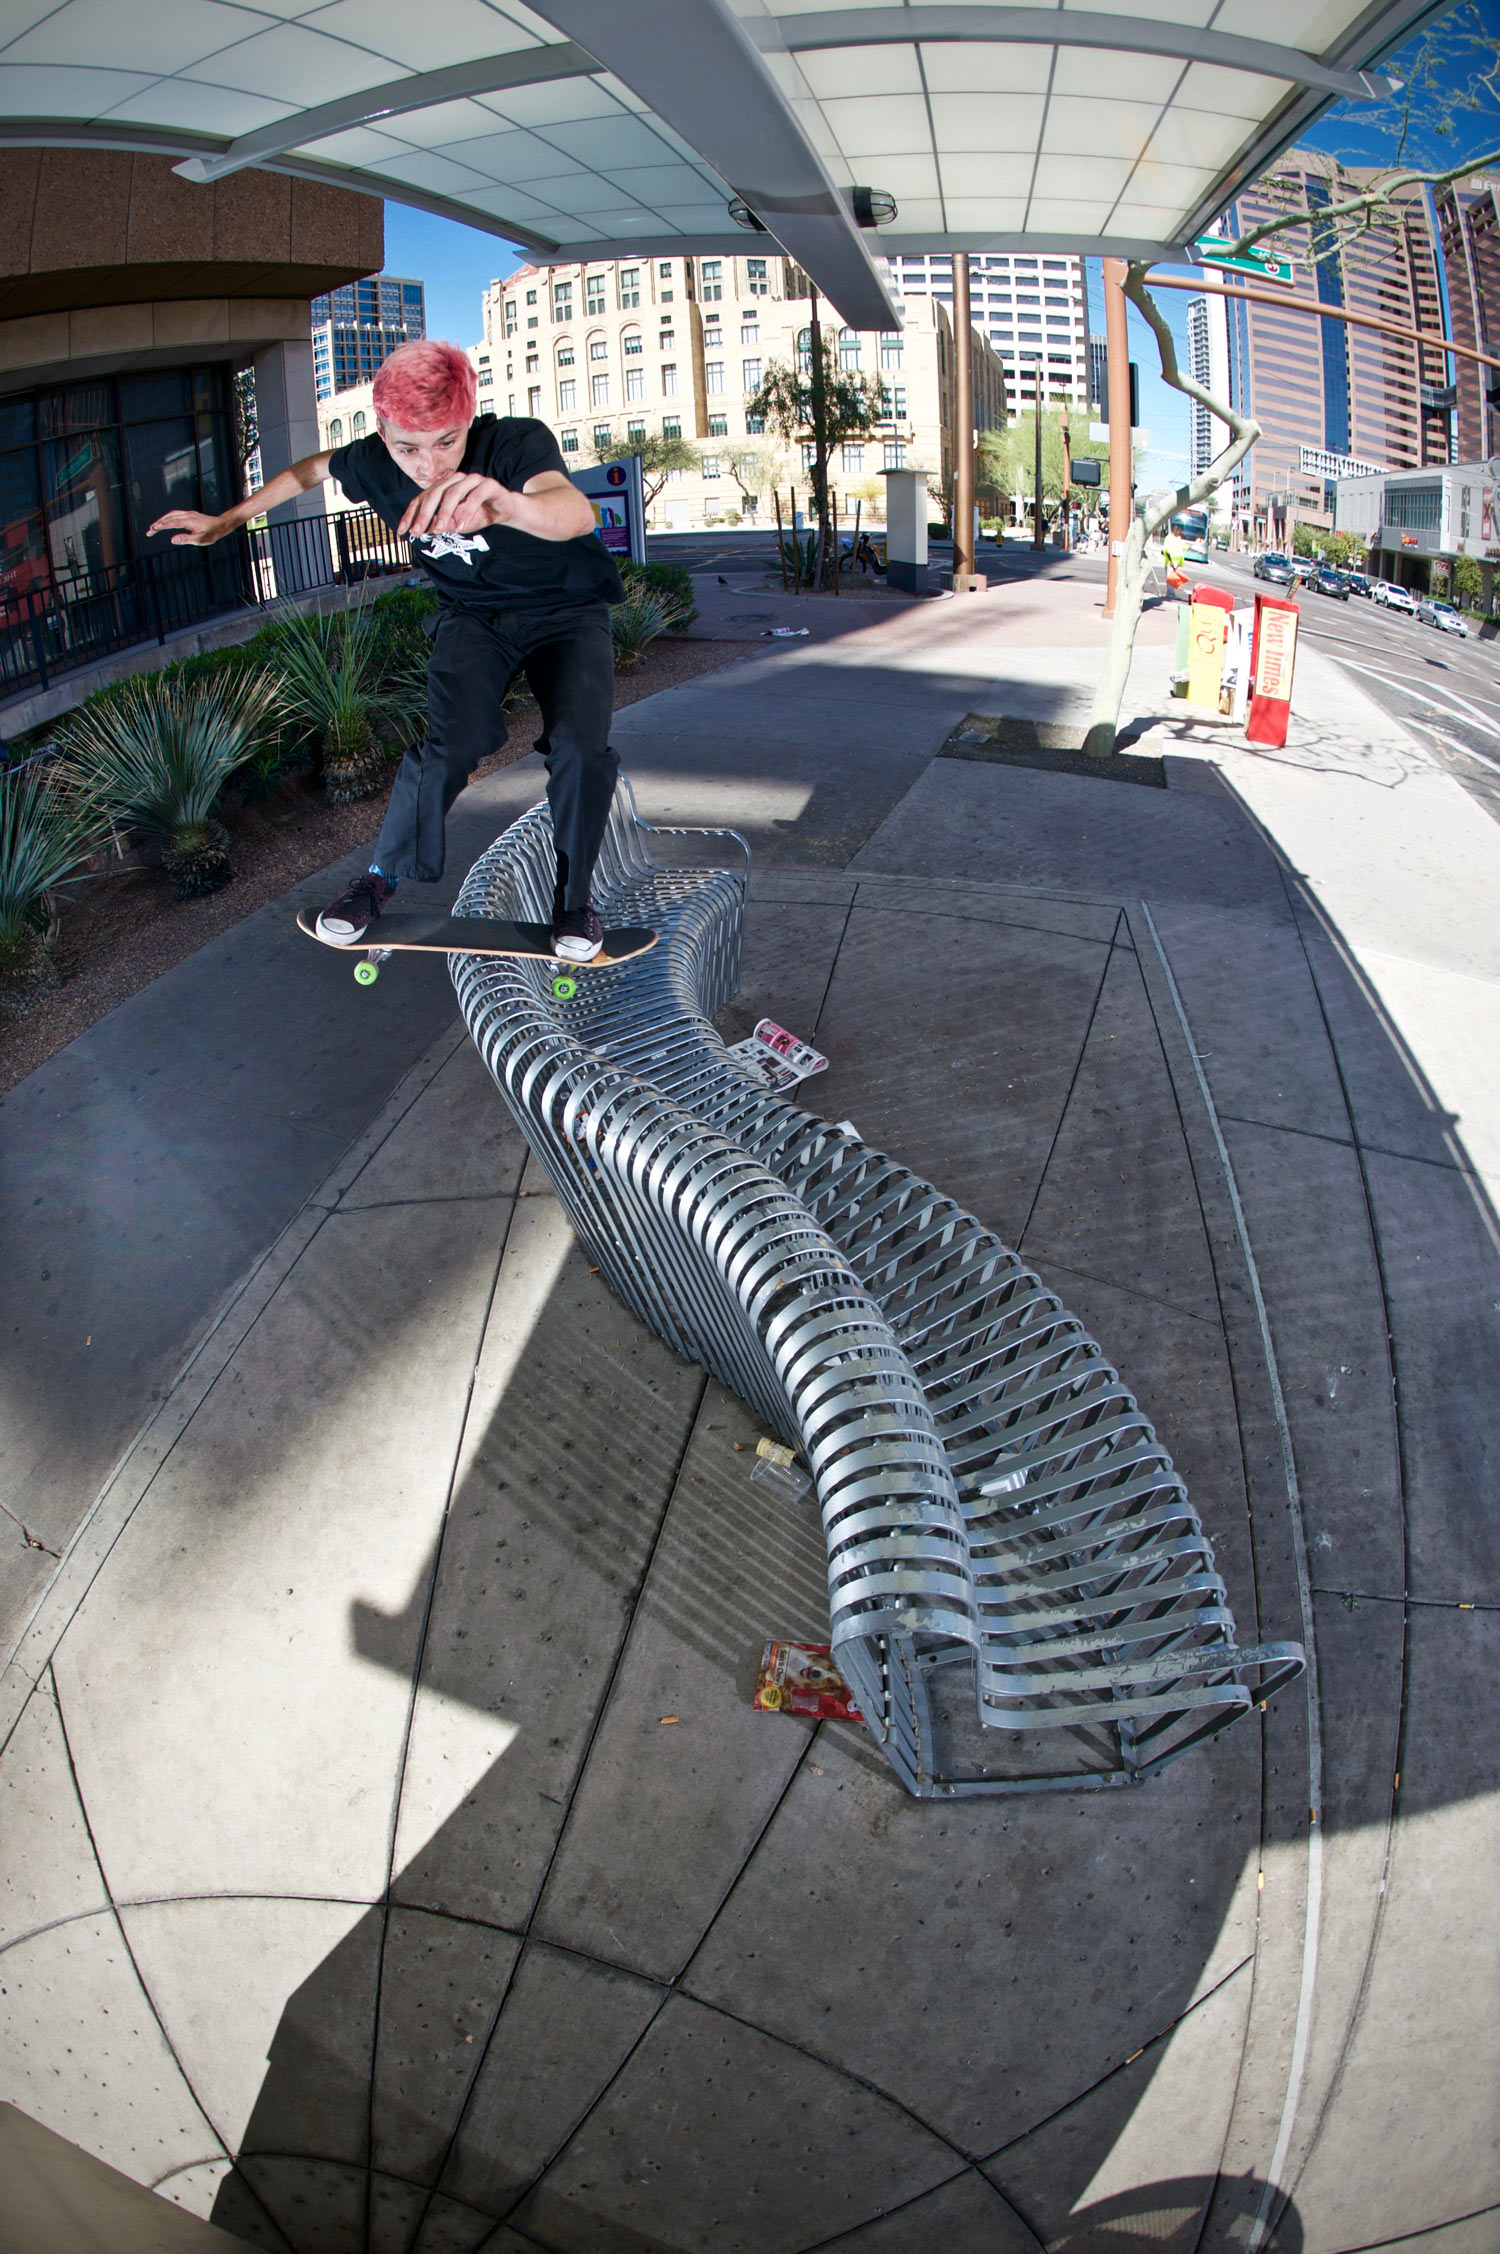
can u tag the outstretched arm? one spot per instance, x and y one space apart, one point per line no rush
549 506
190 528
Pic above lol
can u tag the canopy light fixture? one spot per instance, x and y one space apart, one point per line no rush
872 207
743 216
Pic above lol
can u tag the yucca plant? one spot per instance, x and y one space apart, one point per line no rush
341 677
45 837
153 759
635 623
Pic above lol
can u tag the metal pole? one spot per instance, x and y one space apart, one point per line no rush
1121 493
964 578
1036 490
780 535
820 443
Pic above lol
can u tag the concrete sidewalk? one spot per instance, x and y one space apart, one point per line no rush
392 1858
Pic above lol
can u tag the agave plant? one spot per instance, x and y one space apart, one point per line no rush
635 623
45 836
338 676
153 758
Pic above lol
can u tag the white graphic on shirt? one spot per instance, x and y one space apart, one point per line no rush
452 544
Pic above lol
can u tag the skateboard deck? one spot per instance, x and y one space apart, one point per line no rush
475 935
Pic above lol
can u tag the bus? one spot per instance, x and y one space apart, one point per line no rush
1191 528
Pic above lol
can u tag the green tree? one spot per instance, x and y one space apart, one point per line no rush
660 458
821 404
1468 582
1005 460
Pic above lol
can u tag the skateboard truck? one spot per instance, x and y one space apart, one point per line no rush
366 973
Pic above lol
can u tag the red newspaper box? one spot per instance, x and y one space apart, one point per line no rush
1271 663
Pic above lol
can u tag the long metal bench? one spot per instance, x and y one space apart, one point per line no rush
1020 1594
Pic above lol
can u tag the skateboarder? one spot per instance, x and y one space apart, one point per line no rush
508 542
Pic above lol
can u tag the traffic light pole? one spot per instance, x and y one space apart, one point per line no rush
1121 483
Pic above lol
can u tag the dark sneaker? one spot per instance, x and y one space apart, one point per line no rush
577 934
351 914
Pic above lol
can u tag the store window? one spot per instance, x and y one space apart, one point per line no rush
86 468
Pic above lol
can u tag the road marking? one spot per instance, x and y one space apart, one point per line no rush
1453 744
1419 696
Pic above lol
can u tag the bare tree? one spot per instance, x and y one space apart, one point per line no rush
1359 203
660 458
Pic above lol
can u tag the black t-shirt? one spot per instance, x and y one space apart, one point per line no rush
498 568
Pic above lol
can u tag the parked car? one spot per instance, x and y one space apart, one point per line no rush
1358 584
1275 568
1443 615
1330 582
1394 598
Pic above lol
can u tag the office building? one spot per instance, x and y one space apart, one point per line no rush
614 352
358 326
1325 392
1032 310
1469 231
1099 374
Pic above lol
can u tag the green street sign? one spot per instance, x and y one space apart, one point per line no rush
1265 265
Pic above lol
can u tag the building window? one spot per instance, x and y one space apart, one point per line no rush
636 433
357 426
336 435
534 400
485 379
849 348
896 394
565 356
635 383
630 288
599 391
710 279
598 348
755 425
562 301
718 426
593 294
890 348
510 404
669 380
667 341
664 269
751 372
895 454
533 362
567 396
711 465
852 457
713 375
603 437
809 455
570 442
531 320
750 332
633 342
671 427
755 277
531 297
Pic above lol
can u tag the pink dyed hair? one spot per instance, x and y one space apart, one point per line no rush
425 386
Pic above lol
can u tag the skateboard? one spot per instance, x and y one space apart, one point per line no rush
476 935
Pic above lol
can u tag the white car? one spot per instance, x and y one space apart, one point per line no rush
1443 615
1395 598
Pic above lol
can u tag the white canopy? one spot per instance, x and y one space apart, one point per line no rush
581 128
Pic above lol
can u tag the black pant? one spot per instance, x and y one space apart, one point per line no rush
569 663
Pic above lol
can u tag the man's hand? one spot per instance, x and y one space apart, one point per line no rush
190 528
461 503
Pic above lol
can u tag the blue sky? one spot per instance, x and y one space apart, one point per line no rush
1445 116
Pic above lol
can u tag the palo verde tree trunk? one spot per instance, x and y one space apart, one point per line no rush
1149 516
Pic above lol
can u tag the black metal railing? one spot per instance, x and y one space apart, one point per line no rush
78 617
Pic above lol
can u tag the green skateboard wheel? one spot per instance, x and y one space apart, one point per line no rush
564 987
365 974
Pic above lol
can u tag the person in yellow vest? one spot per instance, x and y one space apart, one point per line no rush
1174 557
